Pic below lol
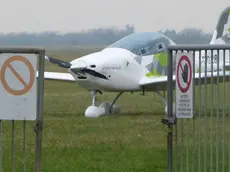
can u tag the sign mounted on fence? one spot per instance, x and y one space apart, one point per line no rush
184 85
18 86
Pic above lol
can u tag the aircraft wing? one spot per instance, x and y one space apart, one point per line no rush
160 83
58 76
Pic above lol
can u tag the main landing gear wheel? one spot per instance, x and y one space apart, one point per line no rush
105 108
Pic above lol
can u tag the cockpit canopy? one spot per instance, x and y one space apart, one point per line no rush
144 43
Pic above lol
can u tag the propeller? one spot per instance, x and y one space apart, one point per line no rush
58 62
77 68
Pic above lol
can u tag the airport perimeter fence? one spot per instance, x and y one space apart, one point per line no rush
202 142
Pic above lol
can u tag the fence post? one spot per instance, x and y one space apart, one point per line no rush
39 123
170 110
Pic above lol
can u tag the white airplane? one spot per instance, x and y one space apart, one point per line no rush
136 63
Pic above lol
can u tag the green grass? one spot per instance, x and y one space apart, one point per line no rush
133 141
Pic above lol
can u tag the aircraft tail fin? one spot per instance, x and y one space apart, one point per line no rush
221 34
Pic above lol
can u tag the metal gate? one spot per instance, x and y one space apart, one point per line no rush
201 143
21 136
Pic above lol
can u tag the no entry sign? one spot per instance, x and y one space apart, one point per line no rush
18 86
184 85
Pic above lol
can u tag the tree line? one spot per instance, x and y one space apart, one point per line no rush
98 36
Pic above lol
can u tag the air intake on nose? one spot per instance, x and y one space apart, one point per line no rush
93 66
82 77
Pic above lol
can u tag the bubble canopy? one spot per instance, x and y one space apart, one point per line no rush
144 43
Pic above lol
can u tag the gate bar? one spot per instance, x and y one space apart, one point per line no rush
39 124
198 47
170 109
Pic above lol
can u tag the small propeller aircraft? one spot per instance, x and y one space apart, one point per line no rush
136 63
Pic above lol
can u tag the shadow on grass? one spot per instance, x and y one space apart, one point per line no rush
63 115
142 114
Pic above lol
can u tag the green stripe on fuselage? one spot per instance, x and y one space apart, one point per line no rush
153 73
162 58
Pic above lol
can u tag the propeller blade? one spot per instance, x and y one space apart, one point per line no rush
58 62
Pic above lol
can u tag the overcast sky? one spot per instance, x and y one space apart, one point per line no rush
77 15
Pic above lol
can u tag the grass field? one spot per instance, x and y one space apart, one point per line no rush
133 141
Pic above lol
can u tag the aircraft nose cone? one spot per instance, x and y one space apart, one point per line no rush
80 64
77 66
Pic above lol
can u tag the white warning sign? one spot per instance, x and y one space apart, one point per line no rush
18 86
184 85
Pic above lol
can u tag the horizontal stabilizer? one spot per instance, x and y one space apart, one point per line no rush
58 62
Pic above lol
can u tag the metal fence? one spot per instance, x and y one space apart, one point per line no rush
20 139
201 143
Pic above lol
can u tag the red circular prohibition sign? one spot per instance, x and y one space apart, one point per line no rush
190 76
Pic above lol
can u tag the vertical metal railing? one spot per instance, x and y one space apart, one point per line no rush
202 143
170 112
